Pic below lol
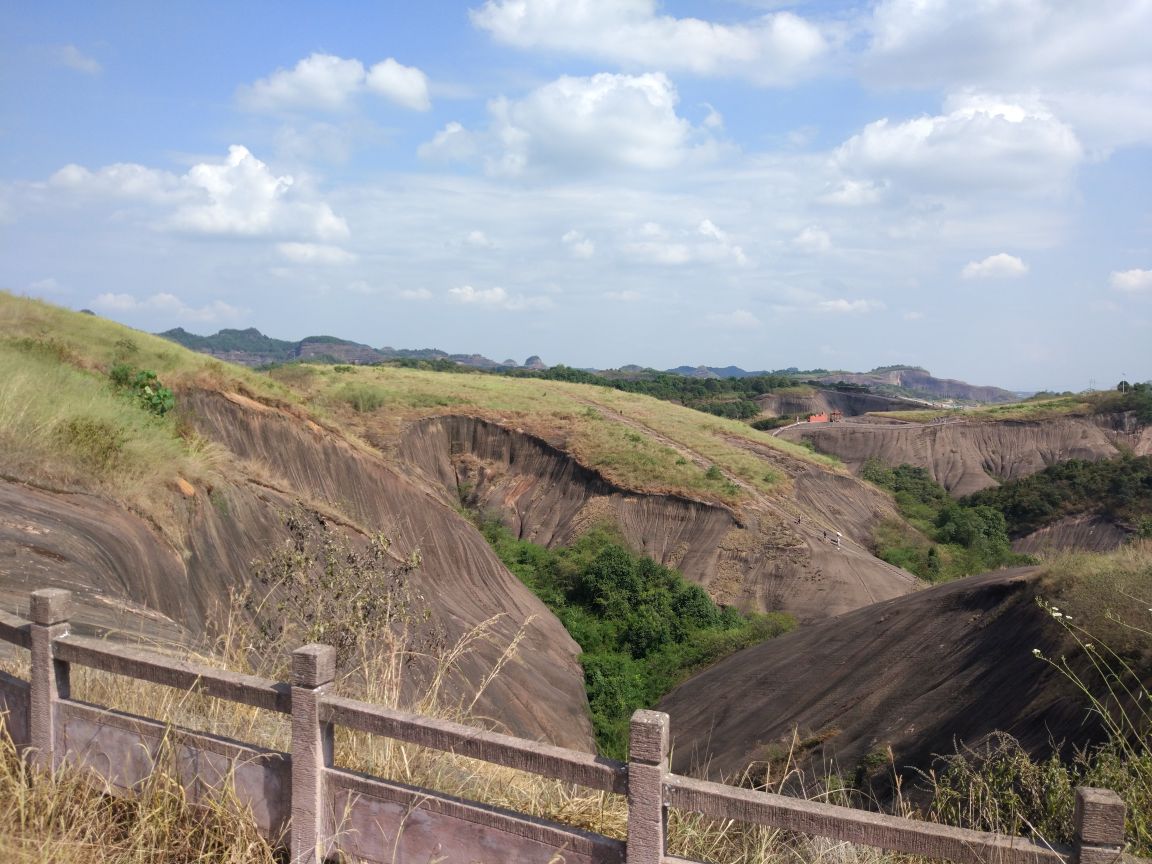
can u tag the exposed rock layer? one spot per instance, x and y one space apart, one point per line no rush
965 457
760 560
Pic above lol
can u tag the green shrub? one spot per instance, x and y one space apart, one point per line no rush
641 626
144 386
97 444
362 397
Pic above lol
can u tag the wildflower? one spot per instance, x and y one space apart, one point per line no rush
1035 652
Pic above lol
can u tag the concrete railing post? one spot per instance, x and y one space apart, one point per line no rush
1098 824
51 608
313 669
647 765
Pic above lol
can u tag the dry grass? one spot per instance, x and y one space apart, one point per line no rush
636 441
1039 409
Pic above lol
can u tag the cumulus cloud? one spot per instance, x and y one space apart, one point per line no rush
578 245
216 311
1080 57
315 253
812 239
239 195
981 143
325 82
495 297
244 197
453 143
73 58
740 319
1132 281
1001 266
578 124
773 50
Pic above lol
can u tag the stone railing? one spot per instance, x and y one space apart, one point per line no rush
320 810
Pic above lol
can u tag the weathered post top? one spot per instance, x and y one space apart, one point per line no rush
51 606
313 666
648 741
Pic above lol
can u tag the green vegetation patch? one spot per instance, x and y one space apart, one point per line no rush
1117 489
642 627
962 539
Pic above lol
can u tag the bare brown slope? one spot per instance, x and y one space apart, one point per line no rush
758 559
464 583
131 578
849 404
918 673
1087 533
967 456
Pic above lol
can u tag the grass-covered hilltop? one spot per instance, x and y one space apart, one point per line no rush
825 608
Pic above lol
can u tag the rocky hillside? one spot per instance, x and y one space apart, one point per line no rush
804 401
920 383
916 674
966 456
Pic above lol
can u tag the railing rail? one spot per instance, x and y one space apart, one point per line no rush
306 785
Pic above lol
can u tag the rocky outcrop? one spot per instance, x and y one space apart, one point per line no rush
967 456
917 674
760 559
922 383
826 401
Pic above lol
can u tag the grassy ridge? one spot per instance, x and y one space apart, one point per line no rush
636 441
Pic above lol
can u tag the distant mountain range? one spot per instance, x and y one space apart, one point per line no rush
250 347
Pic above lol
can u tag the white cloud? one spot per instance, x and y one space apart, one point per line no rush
245 198
913 315
315 253
740 319
1000 266
404 85
847 307
578 245
479 240
706 243
579 124
982 143
852 193
495 297
73 58
453 143
215 311
627 296
812 239
239 196
1132 281
326 82
1089 61
773 50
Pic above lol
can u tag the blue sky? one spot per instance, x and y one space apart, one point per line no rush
963 186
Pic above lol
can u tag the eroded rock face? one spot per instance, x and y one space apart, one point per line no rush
128 577
540 694
823 401
760 560
965 457
917 673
